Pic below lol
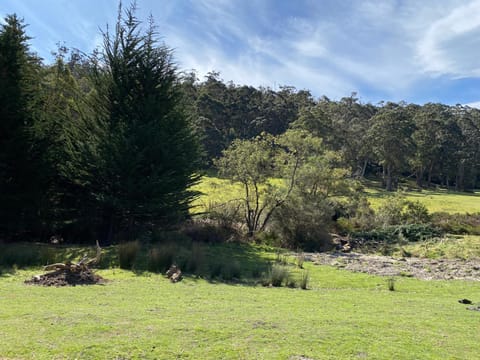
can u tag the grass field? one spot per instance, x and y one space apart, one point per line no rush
343 316
215 190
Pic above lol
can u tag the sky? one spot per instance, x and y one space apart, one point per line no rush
390 50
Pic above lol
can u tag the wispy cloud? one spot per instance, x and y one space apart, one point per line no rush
385 49
451 44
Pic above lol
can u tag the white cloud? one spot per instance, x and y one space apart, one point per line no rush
450 45
475 104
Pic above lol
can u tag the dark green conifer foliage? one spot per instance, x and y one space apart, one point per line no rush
19 191
148 152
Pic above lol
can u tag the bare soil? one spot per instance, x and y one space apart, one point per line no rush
426 269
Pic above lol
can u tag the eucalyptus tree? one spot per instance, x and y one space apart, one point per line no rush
272 169
343 126
390 135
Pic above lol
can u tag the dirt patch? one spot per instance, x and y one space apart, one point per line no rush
66 278
426 269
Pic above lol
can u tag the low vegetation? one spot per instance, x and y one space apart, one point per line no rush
143 315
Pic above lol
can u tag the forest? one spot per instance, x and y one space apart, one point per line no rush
108 145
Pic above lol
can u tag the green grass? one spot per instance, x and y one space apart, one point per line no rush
439 200
343 316
216 190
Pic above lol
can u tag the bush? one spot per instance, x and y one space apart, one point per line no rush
127 254
302 223
411 232
390 212
415 212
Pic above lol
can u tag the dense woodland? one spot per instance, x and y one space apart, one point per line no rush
107 145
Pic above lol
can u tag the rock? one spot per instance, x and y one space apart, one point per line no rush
465 301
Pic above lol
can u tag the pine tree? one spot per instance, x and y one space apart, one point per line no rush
19 192
148 153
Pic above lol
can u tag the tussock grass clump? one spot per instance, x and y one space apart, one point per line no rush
197 259
227 270
231 270
391 284
277 275
161 257
19 256
281 258
127 254
300 260
304 280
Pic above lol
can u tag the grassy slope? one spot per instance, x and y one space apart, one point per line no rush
216 190
435 200
343 316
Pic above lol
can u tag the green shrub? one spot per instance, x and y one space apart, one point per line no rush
357 216
303 223
127 254
411 232
390 212
415 212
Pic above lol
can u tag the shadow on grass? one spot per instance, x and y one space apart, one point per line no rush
6 271
225 263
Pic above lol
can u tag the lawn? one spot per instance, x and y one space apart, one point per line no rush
143 316
216 191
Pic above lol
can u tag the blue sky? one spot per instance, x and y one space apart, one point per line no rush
413 50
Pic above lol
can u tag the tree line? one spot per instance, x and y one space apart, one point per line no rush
93 146
107 145
435 144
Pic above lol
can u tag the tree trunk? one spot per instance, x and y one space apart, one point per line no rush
389 182
419 177
364 168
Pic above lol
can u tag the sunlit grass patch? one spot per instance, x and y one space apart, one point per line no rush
145 316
